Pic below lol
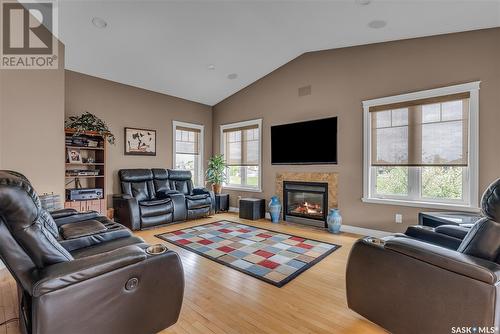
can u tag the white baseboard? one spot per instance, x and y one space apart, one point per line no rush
345 228
364 231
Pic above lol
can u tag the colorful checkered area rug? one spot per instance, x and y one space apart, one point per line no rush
273 257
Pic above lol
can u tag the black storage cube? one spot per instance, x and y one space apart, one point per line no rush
252 208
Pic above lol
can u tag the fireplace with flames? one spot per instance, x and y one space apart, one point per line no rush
305 202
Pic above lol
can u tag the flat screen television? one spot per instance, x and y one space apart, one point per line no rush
305 143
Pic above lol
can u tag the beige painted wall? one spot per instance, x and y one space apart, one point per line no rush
32 123
342 78
123 106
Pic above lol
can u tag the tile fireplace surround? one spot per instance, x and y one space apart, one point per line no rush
330 178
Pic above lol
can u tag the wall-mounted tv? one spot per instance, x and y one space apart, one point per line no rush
305 143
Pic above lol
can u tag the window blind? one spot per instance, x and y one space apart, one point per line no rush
187 140
242 146
427 132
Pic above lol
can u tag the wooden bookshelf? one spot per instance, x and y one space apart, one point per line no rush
89 158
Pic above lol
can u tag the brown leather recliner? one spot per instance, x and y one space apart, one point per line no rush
82 273
411 286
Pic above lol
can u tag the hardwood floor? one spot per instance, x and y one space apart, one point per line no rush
219 299
8 303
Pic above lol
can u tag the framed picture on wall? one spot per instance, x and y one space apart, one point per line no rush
140 142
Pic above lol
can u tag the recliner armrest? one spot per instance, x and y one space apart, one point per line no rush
458 232
166 193
75 217
476 268
201 191
430 235
127 211
61 275
56 214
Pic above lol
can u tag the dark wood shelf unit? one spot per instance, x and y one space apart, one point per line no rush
98 154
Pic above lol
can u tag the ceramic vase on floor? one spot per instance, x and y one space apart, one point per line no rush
334 221
275 209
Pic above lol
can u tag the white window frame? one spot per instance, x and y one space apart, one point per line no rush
200 127
223 127
471 174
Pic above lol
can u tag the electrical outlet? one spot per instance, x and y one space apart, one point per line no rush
398 218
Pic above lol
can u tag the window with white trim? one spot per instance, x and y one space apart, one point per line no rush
188 149
241 146
421 149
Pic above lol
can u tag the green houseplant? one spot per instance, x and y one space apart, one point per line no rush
216 172
89 122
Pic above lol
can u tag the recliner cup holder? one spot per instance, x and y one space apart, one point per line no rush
156 249
375 241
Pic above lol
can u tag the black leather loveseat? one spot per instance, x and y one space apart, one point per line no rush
152 197
81 273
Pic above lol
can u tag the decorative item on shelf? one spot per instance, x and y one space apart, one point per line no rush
89 122
74 156
275 209
334 221
82 172
140 142
216 172
110 213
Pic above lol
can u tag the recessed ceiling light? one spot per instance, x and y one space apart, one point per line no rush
99 23
377 24
363 2
232 76
211 67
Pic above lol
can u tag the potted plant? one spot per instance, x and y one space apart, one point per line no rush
89 122
216 172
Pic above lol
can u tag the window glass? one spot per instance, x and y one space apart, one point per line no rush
420 152
442 182
392 180
241 147
187 154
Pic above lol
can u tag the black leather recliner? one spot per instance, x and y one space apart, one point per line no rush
199 201
82 273
412 286
449 236
152 197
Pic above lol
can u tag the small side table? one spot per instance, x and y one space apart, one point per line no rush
252 208
221 203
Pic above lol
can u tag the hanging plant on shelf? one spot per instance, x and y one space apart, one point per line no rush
89 122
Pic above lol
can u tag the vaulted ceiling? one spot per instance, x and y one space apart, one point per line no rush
207 50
